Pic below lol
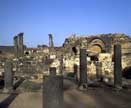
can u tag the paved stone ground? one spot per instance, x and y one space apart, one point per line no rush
103 97
100 97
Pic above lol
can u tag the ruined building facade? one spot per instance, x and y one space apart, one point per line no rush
99 49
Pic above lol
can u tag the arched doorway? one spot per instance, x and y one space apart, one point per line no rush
126 72
96 45
95 48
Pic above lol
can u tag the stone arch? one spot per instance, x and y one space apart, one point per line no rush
94 38
96 42
96 47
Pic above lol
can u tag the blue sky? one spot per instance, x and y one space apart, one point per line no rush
38 18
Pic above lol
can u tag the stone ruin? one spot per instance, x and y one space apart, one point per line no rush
100 52
33 63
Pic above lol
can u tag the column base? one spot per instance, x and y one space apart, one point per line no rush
5 90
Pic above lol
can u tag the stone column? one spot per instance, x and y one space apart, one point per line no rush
16 46
75 72
98 70
83 68
51 43
117 67
53 92
20 45
75 68
8 76
61 65
52 71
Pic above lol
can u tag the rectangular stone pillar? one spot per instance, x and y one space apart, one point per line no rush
8 76
16 46
83 67
98 70
61 65
51 43
53 92
75 72
52 71
20 45
75 68
117 67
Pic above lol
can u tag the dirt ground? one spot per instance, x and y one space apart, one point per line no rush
100 97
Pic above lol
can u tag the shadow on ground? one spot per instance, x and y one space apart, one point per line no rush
5 103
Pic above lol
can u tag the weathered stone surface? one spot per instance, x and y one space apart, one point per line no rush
98 70
8 75
76 72
83 67
51 43
16 46
61 65
107 65
91 70
105 57
117 66
20 45
53 92
75 68
68 64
